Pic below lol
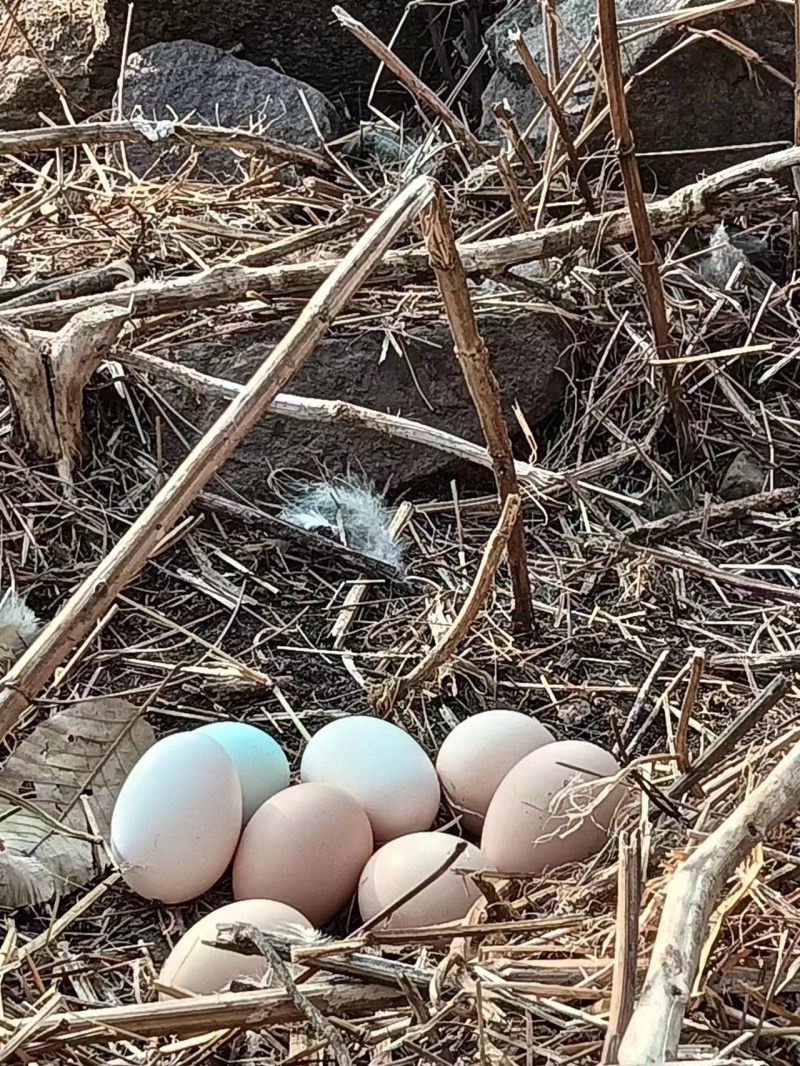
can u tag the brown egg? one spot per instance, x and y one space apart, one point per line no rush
534 821
478 754
305 846
406 861
199 968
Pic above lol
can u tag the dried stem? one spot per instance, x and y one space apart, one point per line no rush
626 944
646 249
96 593
540 83
520 208
687 706
510 129
483 388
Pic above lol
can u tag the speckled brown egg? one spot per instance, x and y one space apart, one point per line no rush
478 754
540 815
406 862
306 846
200 968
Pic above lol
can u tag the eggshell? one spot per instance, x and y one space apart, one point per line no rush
199 968
262 767
478 754
382 767
306 847
177 818
527 830
404 863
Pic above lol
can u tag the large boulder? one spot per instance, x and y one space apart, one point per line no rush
81 42
205 84
704 95
425 384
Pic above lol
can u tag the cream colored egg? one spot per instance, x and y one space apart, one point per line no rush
306 847
402 864
478 754
177 818
382 767
195 966
545 811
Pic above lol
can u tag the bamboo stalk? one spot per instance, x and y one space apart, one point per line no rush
97 592
483 388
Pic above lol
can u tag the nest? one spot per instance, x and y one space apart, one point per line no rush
665 619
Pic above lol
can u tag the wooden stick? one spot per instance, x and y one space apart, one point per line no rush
634 194
653 1034
483 388
418 89
542 86
626 944
96 593
687 706
142 131
508 125
721 195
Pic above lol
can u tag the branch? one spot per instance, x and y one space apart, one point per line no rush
22 367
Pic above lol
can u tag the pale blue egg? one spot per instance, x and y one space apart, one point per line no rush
262 767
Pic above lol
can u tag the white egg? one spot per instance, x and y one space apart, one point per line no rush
382 767
177 819
259 760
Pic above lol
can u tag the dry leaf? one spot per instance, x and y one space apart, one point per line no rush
85 751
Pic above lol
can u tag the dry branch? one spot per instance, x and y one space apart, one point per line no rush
97 592
483 388
634 194
722 195
653 1034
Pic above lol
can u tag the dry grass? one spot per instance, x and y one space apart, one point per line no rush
227 622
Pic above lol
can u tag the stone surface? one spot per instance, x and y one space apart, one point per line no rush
201 83
705 95
744 477
526 352
82 42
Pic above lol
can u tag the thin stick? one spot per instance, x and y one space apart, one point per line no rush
626 945
418 89
507 123
687 706
727 740
386 696
646 250
520 208
542 86
653 1034
483 388
797 72
97 592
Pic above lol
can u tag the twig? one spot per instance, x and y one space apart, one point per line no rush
542 87
483 388
687 706
418 89
96 593
506 172
626 944
508 125
648 256
715 515
730 737
653 1034
389 693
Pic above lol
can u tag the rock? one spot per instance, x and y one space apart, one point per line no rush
744 477
207 85
81 41
704 95
526 353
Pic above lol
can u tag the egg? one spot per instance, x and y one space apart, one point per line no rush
478 754
382 767
305 847
177 818
262 767
404 863
534 821
200 968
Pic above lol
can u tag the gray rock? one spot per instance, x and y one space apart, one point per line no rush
203 84
526 352
744 477
704 95
81 41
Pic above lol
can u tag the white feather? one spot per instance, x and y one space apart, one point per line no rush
354 512
19 627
